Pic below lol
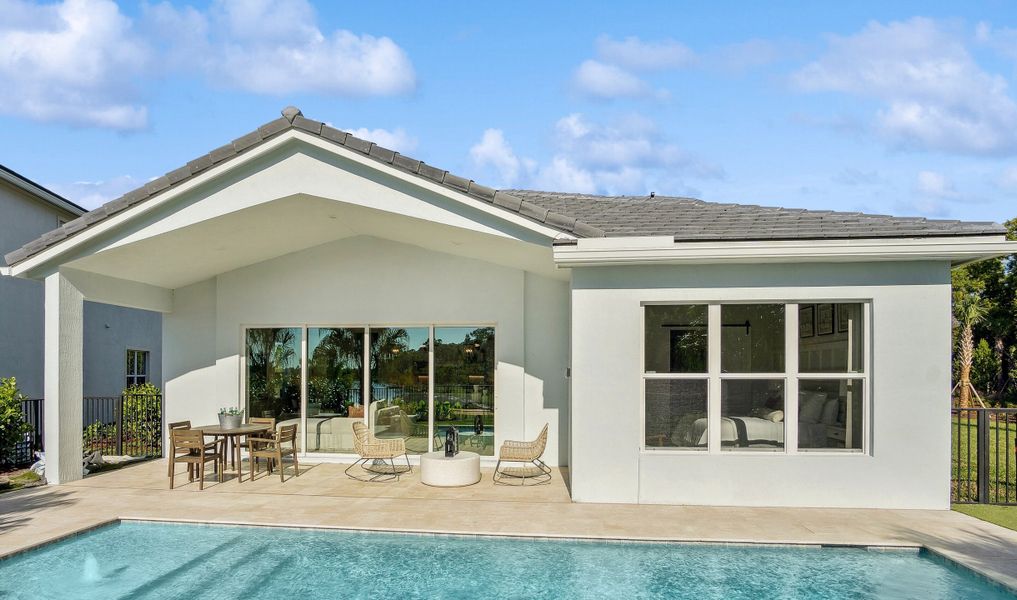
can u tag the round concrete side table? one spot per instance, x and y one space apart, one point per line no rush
456 471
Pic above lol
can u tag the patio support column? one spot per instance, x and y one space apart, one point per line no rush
63 379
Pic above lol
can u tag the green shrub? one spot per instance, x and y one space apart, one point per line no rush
12 423
142 420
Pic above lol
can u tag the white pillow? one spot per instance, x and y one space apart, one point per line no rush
830 411
776 416
812 409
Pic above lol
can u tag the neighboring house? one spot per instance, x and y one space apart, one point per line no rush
120 345
682 352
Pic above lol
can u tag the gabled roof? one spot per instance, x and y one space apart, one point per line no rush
579 215
692 220
44 194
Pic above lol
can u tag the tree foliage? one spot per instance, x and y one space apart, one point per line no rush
12 424
985 332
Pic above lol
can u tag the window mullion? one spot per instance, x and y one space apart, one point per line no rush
713 363
791 385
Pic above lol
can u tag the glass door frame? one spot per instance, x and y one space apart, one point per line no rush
244 400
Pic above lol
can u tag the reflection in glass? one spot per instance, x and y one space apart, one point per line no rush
335 375
752 338
830 414
399 366
676 413
752 414
830 338
676 339
464 386
273 373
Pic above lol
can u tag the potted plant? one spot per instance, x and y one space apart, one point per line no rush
231 418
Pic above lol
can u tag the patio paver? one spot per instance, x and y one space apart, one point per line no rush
323 497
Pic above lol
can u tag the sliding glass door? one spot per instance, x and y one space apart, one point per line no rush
380 376
464 386
399 385
273 372
335 378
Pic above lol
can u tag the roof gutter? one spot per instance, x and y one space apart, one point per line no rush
661 250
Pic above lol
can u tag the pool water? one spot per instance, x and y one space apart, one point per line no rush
150 560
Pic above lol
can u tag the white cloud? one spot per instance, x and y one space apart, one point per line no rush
597 79
277 48
638 55
629 156
493 151
1003 40
84 62
933 93
394 139
73 62
935 185
92 194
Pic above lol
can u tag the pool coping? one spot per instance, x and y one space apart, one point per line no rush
951 561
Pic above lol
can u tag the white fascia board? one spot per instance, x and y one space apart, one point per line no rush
36 266
664 250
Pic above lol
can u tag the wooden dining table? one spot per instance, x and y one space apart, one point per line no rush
231 439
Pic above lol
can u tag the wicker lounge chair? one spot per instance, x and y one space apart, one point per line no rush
374 453
532 472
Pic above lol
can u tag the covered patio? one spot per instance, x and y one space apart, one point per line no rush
319 282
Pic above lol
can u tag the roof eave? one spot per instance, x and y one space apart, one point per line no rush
38 191
957 250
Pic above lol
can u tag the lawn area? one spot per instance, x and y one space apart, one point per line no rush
1002 460
19 479
1004 516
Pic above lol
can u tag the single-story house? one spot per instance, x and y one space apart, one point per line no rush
682 352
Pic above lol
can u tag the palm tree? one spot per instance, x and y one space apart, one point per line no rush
968 310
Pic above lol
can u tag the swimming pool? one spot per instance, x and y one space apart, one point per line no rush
161 560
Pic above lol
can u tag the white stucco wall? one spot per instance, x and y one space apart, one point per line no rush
908 461
366 280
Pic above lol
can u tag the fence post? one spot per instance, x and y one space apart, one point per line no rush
983 456
120 426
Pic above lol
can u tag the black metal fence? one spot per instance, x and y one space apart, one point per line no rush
24 451
123 425
114 425
984 455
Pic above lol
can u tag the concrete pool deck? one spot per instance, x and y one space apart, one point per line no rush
324 497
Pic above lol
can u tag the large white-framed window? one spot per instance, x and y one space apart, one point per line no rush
767 376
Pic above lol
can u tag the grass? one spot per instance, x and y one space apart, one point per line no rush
1002 460
21 480
1004 516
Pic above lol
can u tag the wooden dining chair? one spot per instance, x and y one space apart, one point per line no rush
189 447
246 444
273 448
172 427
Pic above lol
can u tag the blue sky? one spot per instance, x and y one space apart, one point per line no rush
901 108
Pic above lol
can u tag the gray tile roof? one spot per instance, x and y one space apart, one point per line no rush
576 214
689 219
